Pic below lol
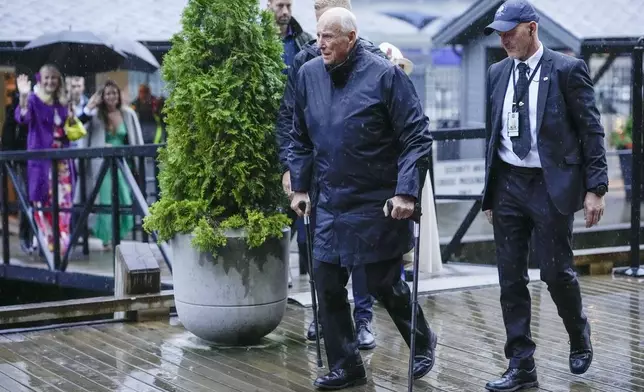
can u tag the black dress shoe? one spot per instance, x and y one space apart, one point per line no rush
341 378
424 362
366 341
513 380
581 353
310 335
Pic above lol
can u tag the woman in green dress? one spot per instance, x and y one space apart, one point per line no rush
114 124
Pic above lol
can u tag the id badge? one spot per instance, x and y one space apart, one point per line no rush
513 124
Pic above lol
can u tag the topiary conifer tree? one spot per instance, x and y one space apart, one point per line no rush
220 168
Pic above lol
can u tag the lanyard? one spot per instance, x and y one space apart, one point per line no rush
514 83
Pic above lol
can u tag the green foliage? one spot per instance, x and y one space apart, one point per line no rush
622 138
220 167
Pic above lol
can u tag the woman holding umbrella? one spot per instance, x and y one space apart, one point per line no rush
45 114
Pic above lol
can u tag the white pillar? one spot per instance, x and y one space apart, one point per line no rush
430 251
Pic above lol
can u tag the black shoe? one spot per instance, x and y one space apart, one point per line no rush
366 341
513 380
581 353
423 363
341 378
310 335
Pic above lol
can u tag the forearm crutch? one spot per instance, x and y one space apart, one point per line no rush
414 295
309 253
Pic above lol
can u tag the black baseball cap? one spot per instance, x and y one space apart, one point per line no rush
510 14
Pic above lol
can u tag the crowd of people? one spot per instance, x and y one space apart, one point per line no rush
39 118
353 135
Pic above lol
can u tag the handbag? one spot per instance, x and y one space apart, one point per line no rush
74 129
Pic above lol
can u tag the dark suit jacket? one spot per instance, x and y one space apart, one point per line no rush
570 135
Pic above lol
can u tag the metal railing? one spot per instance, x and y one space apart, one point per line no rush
115 160
453 134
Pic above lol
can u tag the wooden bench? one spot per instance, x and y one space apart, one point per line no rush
600 261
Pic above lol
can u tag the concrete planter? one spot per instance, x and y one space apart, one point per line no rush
237 298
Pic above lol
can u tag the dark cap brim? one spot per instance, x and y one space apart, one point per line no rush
499 25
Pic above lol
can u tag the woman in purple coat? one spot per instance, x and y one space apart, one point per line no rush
44 112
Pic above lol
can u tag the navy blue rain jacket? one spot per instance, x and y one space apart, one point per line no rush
358 133
285 115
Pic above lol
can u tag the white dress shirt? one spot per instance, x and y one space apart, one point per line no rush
505 148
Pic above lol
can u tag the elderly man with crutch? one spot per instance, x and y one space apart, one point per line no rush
359 132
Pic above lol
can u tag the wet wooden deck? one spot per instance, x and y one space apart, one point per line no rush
162 356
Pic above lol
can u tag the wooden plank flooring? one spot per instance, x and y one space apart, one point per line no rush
162 356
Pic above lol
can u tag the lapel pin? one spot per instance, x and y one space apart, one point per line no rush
545 78
520 103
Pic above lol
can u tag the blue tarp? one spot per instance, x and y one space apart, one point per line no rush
445 56
414 18
441 56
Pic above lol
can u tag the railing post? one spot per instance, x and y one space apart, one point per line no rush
637 155
6 256
83 198
157 190
143 185
636 182
55 213
116 222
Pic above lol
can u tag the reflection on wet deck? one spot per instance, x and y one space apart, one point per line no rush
162 356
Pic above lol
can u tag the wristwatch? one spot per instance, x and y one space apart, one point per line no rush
600 190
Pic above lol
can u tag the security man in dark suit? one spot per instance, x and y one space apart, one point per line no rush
545 160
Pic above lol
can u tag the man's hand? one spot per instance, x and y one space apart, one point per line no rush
297 198
286 183
403 207
488 214
593 209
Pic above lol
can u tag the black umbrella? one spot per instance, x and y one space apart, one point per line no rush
139 58
73 52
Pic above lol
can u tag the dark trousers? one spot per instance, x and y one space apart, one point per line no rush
362 300
522 208
385 284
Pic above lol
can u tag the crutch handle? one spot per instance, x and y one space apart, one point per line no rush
302 206
415 216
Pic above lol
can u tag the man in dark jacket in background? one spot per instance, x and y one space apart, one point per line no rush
363 302
359 134
293 36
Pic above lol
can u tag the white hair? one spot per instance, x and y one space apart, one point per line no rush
323 4
342 17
